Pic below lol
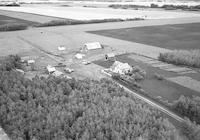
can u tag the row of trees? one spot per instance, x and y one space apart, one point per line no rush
190 108
62 109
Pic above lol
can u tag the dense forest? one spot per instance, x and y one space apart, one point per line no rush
56 108
62 109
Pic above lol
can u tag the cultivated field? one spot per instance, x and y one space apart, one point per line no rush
85 13
9 20
179 36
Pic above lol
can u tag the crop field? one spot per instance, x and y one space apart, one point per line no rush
10 20
85 13
163 88
180 36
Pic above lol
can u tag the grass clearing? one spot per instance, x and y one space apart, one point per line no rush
182 57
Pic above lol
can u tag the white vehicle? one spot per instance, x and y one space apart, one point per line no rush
85 62
61 48
68 70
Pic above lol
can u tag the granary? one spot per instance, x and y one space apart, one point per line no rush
110 56
92 46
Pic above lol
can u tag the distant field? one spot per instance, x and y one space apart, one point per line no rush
87 13
180 36
10 20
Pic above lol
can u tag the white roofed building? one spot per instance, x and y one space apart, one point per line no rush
121 68
92 46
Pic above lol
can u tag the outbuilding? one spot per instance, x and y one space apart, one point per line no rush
110 56
92 46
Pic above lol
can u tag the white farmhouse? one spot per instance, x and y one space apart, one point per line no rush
121 68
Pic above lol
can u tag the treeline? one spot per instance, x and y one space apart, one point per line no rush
165 6
188 107
62 109
174 7
126 6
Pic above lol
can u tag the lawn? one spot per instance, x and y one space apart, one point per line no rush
10 20
179 36
163 88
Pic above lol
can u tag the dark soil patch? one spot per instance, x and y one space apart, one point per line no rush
179 36
10 20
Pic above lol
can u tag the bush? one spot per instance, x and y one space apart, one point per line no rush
11 62
127 6
58 108
190 130
154 5
188 107
13 27
182 57
137 73
158 76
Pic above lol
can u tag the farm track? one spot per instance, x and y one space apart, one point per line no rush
57 58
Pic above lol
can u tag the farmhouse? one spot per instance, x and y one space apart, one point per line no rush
121 68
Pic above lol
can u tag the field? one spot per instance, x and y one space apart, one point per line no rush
10 20
180 36
159 30
88 13
163 88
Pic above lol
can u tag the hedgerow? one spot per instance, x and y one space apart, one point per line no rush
13 27
182 57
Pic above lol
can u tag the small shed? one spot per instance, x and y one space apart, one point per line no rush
92 46
110 56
